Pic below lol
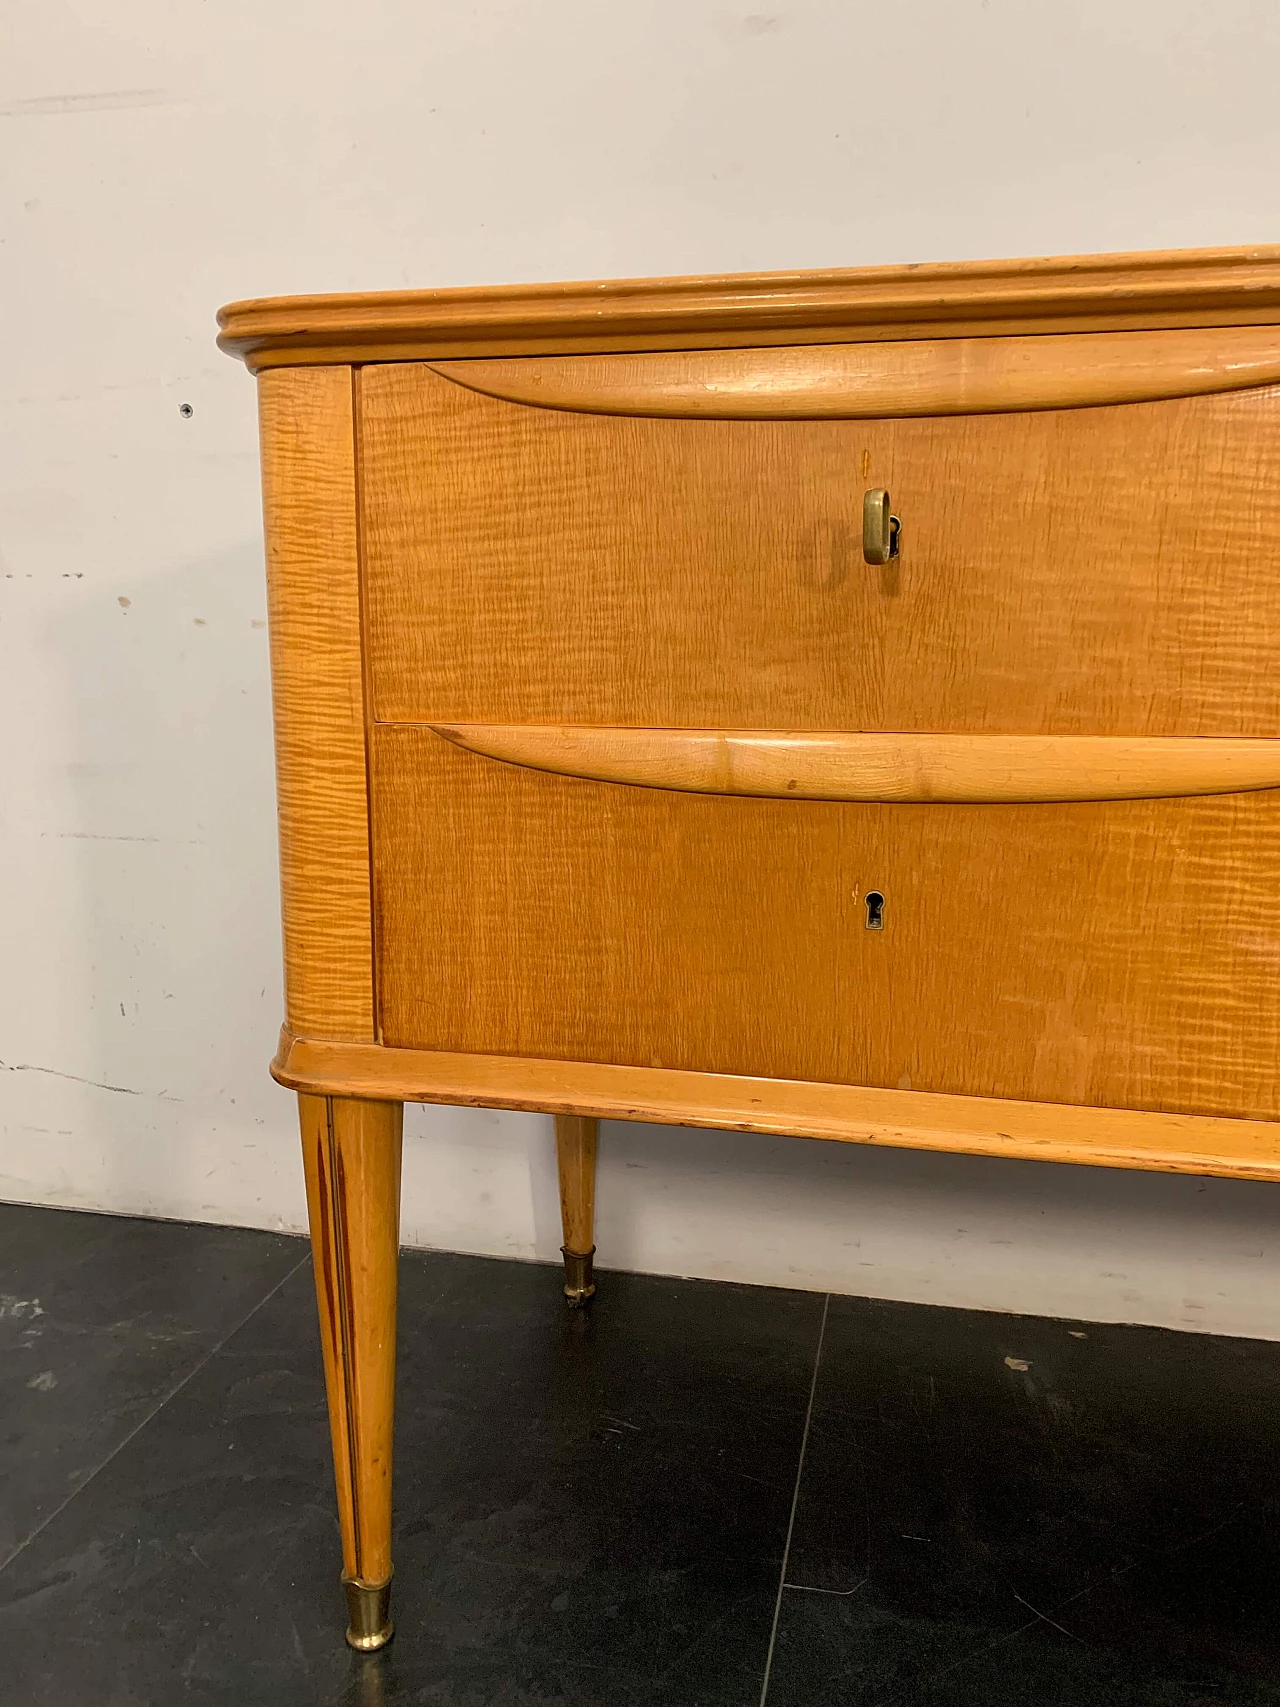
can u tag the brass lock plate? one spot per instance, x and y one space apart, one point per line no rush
880 528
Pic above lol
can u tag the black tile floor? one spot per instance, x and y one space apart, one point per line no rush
967 1509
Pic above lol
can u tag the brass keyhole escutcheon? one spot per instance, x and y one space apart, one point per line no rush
880 529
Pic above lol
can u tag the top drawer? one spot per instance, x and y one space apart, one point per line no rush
1094 571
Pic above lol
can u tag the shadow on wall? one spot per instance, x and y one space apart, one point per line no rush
165 837
1034 1237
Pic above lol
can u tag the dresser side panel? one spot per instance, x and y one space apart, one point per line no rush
313 580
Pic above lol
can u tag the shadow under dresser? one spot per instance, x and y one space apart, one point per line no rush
839 704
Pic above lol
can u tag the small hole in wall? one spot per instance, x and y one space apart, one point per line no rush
186 411
875 910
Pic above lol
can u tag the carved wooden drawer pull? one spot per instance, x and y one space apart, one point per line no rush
907 768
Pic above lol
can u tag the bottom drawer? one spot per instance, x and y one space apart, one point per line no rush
1121 954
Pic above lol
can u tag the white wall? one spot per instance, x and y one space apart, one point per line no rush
162 156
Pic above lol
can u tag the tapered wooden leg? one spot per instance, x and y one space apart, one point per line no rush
577 1137
351 1151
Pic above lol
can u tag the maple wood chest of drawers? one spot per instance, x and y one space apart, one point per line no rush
838 704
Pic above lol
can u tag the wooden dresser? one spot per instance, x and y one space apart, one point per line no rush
839 704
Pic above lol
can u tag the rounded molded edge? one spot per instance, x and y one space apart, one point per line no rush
1179 287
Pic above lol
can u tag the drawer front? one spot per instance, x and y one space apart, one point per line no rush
1120 953
1096 571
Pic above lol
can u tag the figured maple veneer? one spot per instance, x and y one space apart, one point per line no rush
968 769
1087 571
958 376
1119 954
313 601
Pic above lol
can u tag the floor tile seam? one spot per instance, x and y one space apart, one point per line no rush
795 1500
150 1416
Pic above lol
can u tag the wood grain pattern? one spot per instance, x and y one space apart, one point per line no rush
313 592
974 769
955 376
1119 954
577 1143
1096 571
857 1114
351 1154
1166 288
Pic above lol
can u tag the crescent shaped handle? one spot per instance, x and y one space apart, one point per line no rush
888 768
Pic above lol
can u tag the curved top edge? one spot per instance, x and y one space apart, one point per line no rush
953 298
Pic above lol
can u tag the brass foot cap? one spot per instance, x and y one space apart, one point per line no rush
578 1282
369 1610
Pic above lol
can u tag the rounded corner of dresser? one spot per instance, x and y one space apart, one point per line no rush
279 1066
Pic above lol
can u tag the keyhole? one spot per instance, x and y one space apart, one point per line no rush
875 910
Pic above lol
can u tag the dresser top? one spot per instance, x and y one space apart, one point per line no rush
1079 293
